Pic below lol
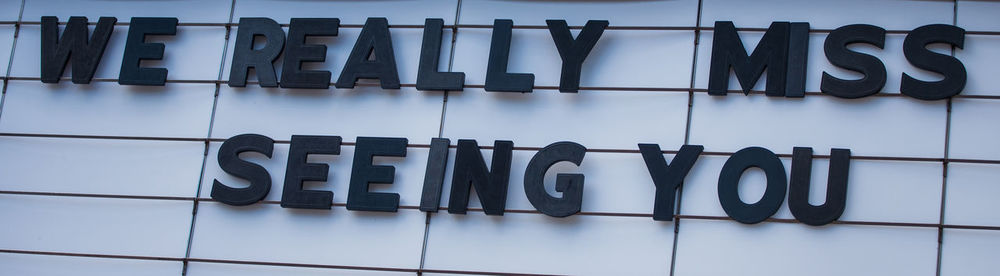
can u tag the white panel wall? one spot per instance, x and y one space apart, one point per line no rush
888 14
191 11
106 108
157 228
269 233
99 166
593 118
105 179
26 264
534 243
727 248
624 60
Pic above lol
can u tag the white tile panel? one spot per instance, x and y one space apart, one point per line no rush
28 264
349 113
594 119
106 108
11 11
157 228
888 14
576 13
874 126
194 53
729 248
974 132
971 195
969 252
6 42
978 15
621 58
349 12
221 269
187 11
269 233
535 243
95 166
893 191
980 58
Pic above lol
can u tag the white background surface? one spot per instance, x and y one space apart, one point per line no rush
113 193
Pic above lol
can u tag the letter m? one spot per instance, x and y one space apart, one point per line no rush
782 51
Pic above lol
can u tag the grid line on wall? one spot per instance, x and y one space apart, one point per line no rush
487 147
311 265
944 164
555 88
10 61
687 134
260 263
440 133
327 266
208 135
526 211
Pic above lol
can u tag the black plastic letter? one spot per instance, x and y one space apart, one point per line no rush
136 50
836 187
729 180
668 177
869 66
798 55
374 41
428 77
230 162
298 170
262 61
297 51
728 52
949 66
437 160
86 55
574 51
364 173
497 78
569 184
470 170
